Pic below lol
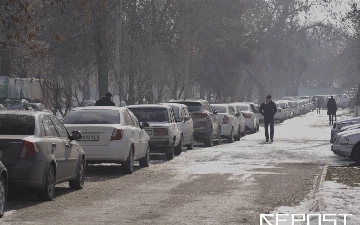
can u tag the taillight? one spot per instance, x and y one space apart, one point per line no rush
279 110
160 132
226 119
28 150
247 115
200 114
117 134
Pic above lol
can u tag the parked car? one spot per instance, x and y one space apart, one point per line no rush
21 104
186 125
241 120
163 128
207 127
350 127
347 143
2 107
110 135
86 103
255 109
249 115
38 152
3 188
230 128
38 107
340 124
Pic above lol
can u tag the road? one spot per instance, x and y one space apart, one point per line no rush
226 184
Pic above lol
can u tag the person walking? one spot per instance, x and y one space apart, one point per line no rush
318 105
268 109
105 100
332 108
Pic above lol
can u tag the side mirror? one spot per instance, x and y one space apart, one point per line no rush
215 112
237 114
145 124
186 118
76 135
179 119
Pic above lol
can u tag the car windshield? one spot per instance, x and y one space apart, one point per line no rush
219 108
34 106
193 106
244 108
95 116
17 124
12 105
176 111
151 114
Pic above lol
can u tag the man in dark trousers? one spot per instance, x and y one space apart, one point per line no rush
318 105
105 101
268 109
332 108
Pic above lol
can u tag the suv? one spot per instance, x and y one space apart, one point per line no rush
207 126
161 125
17 104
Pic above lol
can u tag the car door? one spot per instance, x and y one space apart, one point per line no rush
233 119
56 145
71 151
143 137
214 120
135 132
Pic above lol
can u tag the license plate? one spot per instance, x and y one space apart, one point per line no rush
90 138
149 132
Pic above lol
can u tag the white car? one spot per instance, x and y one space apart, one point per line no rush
249 115
186 125
255 110
110 134
347 143
229 123
342 123
163 130
350 127
241 120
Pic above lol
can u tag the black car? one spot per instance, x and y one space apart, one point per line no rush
22 104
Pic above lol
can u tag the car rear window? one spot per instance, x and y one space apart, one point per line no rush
244 108
151 114
12 105
193 106
96 116
17 124
219 108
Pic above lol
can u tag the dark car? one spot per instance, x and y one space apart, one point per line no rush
207 127
39 107
3 188
38 152
22 104
86 103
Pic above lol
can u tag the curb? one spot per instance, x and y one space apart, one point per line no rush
319 188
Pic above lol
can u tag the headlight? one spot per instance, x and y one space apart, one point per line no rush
344 141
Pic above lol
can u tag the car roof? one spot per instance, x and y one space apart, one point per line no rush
23 112
241 103
97 108
174 104
186 100
224 104
149 106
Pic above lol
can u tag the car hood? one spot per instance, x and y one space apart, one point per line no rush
348 120
351 127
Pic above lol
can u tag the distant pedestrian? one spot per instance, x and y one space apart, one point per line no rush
268 109
318 105
105 101
331 109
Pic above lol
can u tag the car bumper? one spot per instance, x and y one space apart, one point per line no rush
249 124
27 173
160 142
342 150
226 129
116 151
334 132
201 134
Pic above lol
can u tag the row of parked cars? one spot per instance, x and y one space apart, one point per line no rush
39 150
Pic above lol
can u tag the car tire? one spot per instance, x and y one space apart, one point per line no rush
178 148
145 162
3 196
191 145
355 154
209 142
50 179
230 139
258 128
128 166
238 136
170 154
79 181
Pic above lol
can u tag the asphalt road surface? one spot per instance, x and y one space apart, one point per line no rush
226 184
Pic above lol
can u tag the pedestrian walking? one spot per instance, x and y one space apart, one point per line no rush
331 109
268 109
318 105
105 100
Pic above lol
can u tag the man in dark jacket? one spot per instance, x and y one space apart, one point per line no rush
105 101
332 108
268 109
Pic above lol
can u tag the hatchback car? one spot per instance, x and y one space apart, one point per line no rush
110 134
207 127
38 151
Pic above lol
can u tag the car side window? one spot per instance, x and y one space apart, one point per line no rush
182 113
134 119
231 111
172 117
186 112
50 130
63 133
127 118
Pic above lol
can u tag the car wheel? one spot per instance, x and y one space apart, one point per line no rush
178 148
258 128
170 154
48 193
128 166
3 196
145 162
355 154
191 145
78 182
230 139
209 142
238 136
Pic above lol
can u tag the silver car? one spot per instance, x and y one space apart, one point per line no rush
38 152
